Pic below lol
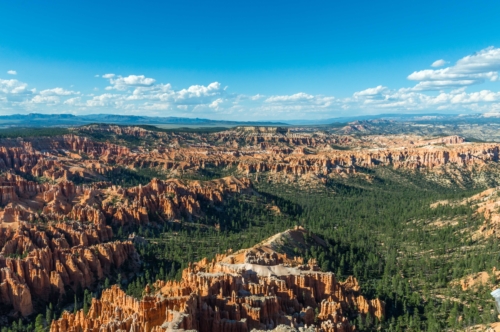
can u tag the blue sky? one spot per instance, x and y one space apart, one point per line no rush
249 60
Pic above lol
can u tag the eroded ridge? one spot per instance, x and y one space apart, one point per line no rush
283 153
256 288
39 263
100 202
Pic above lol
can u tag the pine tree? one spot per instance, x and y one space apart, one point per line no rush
339 273
453 318
39 327
325 266
359 322
87 300
75 309
48 314
106 283
172 271
368 319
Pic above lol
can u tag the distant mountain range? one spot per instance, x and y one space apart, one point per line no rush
45 120
395 117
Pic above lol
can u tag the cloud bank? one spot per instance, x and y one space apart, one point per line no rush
472 69
444 88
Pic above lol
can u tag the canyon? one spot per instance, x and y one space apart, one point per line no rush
69 202
290 155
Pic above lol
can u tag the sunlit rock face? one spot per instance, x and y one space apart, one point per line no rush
51 259
256 288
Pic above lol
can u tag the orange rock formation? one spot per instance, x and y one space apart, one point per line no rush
99 202
42 262
249 149
254 288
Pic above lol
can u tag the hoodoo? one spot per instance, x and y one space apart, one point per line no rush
256 288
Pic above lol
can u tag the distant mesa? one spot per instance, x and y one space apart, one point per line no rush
263 130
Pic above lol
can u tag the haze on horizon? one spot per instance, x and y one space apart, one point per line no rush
249 61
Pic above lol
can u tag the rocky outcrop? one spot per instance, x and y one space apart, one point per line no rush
234 292
287 153
14 292
101 202
476 280
256 150
486 204
41 263
116 311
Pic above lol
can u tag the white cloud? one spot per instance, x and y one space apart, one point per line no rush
13 86
484 61
199 91
411 100
73 101
106 99
475 97
451 74
439 85
12 72
296 105
372 92
107 76
439 63
57 92
301 96
215 104
122 83
142 93
469 70
39 99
